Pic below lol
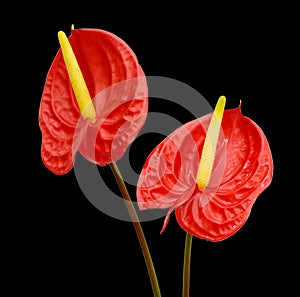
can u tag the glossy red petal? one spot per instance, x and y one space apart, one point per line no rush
57 137
104 60
168 176
248 172
58 96
56 154
122 111
243 168
249 163
218 226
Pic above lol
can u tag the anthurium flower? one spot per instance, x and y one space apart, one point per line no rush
211 201
94 100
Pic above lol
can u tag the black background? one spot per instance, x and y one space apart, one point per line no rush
60 243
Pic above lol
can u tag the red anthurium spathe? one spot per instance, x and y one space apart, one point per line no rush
94 100
242 169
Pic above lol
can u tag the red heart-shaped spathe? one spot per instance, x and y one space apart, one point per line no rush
115 80
242 169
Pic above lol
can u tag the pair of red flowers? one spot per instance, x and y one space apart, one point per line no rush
115 82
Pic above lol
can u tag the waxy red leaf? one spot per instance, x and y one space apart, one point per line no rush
242 170
118 89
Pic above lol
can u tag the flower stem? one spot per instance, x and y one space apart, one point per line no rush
187 265
138 229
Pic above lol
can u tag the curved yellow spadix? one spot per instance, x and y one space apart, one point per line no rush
77 81
210 143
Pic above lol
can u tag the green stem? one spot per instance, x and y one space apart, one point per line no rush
187 265
138 229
